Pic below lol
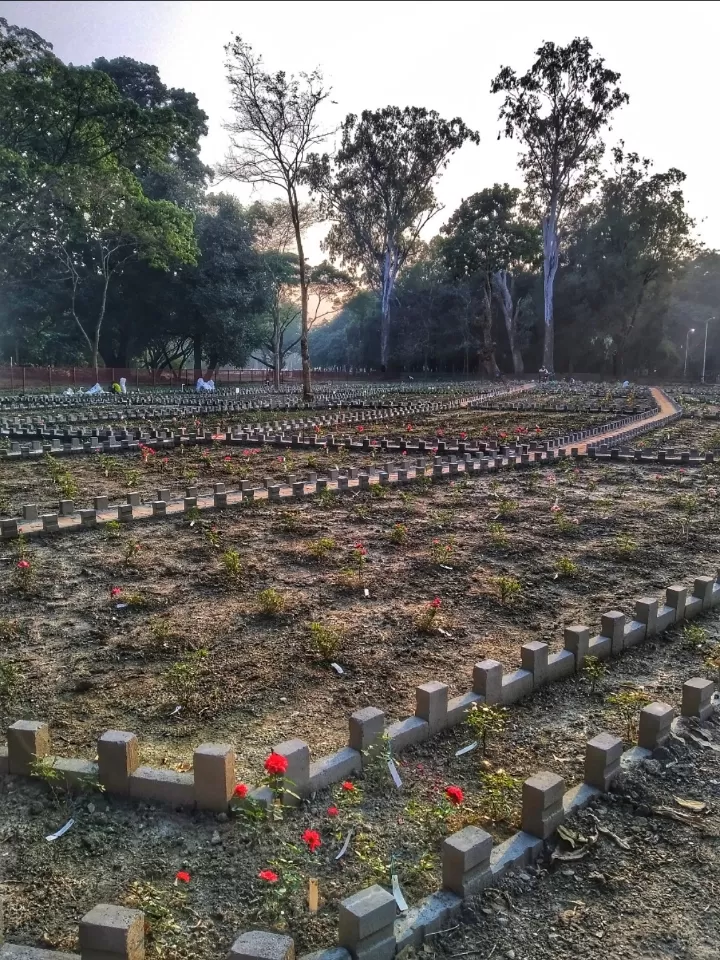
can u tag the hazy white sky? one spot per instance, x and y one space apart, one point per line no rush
440 55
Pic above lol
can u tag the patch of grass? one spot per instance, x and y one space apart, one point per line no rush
271 602
326 640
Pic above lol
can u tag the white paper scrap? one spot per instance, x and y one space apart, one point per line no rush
337 668
366 592
443 567
176 711
398 894
120 606
468 749
59 833
344 848
394 774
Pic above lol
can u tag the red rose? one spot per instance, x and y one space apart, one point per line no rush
454 795
276 764
183 876
435 603
312 839
241 790
23 564
269 876
332 811
348 787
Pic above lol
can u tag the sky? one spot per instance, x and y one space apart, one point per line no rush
440 55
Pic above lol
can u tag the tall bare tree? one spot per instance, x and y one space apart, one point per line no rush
273 129
557 110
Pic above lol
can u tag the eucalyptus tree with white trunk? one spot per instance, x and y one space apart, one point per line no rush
378 192
557 110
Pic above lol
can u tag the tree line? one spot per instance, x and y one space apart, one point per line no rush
119 245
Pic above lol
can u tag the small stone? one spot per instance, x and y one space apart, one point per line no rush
503 920
222 818
662 755
525 876
215 839
652 766
568 873
510 955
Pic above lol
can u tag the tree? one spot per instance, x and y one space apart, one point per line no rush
378 190
488 240
557 110
99 223
273 130
628 246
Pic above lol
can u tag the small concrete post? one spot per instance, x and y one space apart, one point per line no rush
30 511
654 727
133 499
189 503
50 523
297 754
125 512
110 932
66 508
697 698
703 589
259 945
214 776
577 641
366 730
487 680
431 704
220 500
542 809
534 657
26 741
646 611
613 627
159 508
602 760
676 597
118 757
163 495
466 861
88 518
366 926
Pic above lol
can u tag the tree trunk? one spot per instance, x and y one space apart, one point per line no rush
510 316
277 354
387 285
550 265
197 356
487 350
305 324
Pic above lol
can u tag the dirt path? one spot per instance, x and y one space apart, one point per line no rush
665 408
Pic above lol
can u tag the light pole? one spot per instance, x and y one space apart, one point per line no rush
687 339
702 380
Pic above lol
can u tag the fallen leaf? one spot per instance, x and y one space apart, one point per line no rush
570 854
697 806
567 834
623 844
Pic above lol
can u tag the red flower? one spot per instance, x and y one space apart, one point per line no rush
312 839
269 876
241 790
276 764
115 592
348 787
454 795
332 811
23 564
440 433
409 428
435 603
227 458
246 453
183 876
463 435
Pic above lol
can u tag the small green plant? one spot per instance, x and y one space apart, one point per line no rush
326 640
484 721
565 567
694 636
327 498
271 602
624 546
506 506
359 554
378 490
212 536
712 663
136 600
499 796
192 515
566 525
428 620
231 564
594 670
182 678
160 631
319 549
687 502
112 529
626 704
498 536
290 522
508 588
399 534
441 553
131 477
131 553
